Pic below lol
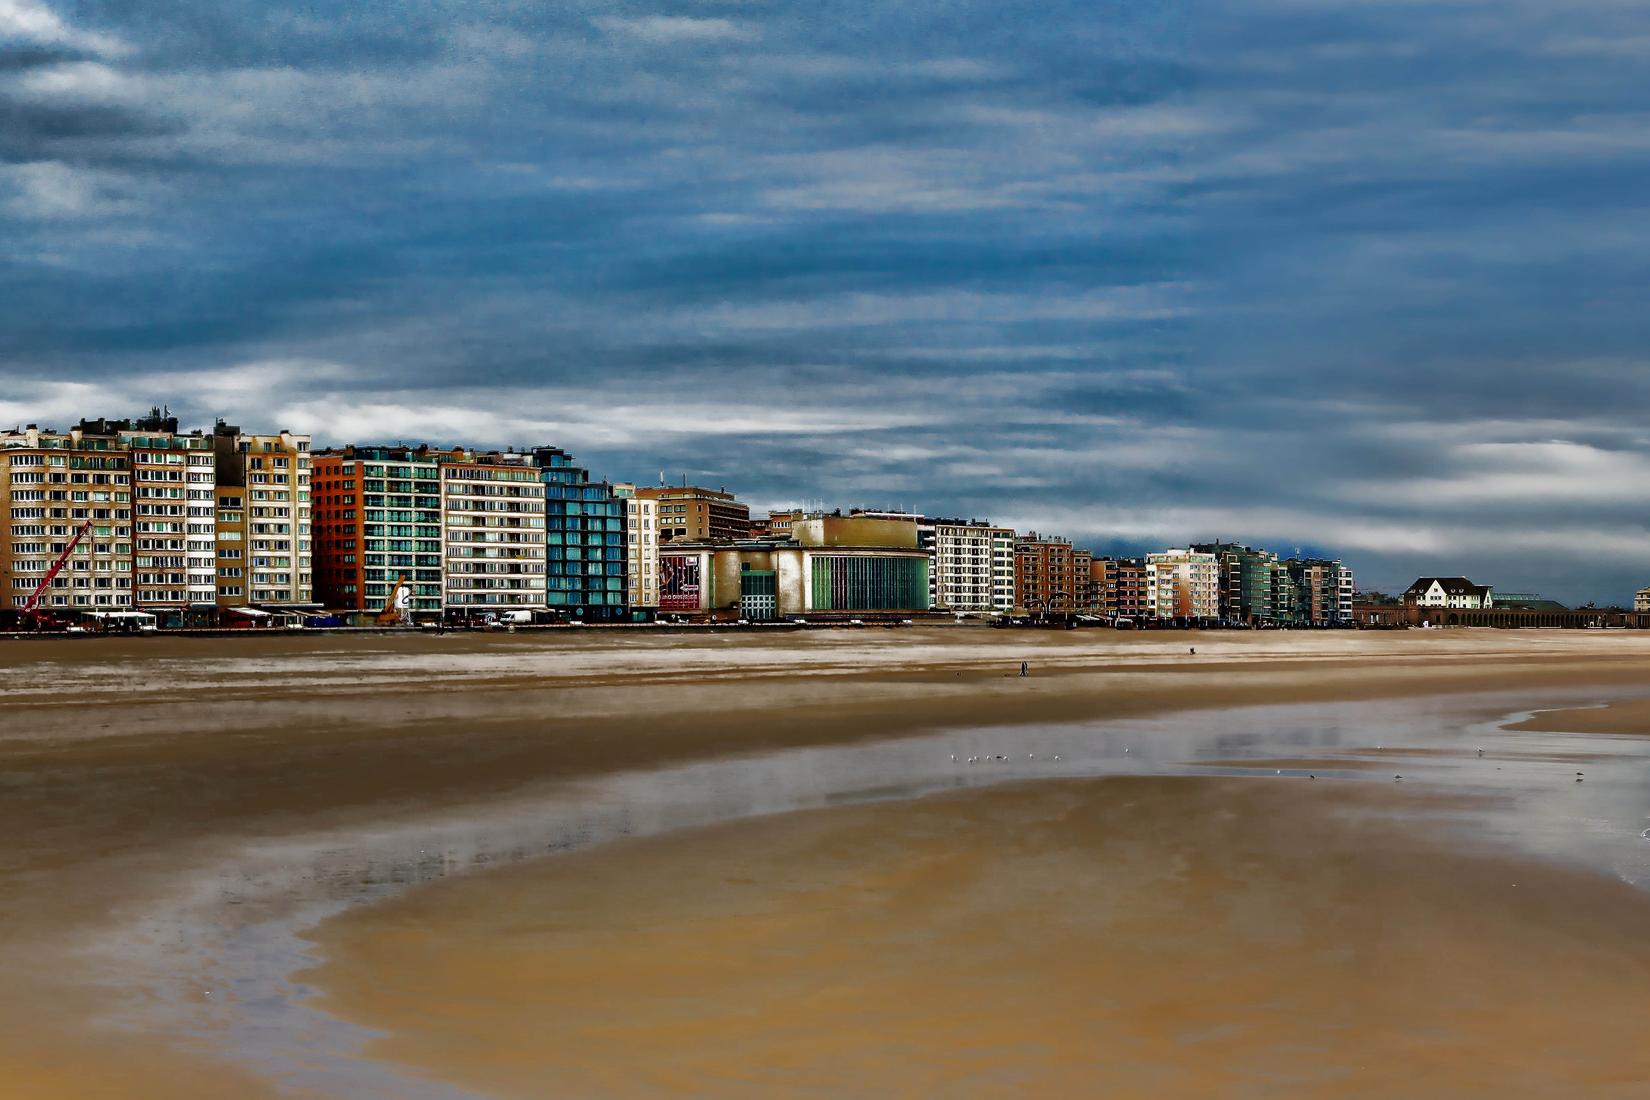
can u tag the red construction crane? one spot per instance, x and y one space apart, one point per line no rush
33 601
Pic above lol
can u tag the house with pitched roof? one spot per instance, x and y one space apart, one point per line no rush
1456 592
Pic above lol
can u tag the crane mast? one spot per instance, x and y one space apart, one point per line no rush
33 601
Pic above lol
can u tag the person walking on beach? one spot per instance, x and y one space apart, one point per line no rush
1025 669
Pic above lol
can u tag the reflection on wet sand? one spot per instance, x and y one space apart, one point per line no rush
244 926
1118 937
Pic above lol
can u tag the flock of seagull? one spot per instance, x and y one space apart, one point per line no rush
997 756
987 758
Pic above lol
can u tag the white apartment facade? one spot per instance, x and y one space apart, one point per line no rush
972 569
1182 584
493 534
174 507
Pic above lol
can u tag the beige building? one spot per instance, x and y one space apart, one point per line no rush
493 533
776 525
1182 584
833 567
174 504
641 546
1641 600
657 515
263 551
51 485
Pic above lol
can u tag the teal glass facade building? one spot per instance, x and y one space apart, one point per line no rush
584 533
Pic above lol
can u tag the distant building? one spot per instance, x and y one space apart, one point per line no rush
378 520
1323 591
641 533
493 533
775 525
264 541
656 515
1527 601
173 513
51 485
831 567
1117 587
1182 584
1050 575
585 536
1246 581
1641 600
691 512
971 562
1452 592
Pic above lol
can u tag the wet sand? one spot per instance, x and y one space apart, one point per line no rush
1120 938
1627 718
126 764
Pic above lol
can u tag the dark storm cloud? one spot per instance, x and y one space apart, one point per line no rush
1364 278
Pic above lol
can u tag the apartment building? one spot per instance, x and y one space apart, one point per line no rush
1246 582
585 553
174 503
1324 591
1118 587
1182 584
51 485
1128 597
493 533
641 533
263 538
377 520
972 566
1050 575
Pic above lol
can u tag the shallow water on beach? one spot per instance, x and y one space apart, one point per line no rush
223 953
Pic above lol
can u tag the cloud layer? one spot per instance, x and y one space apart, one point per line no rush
1362 278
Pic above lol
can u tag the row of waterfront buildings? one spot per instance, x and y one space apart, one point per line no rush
198 525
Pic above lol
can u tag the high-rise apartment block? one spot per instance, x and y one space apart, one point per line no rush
1118 587
1323 591
52 484
1182 584
1246 581
263 537
1050 575
174 506
973 567
493 533
585 537
377 522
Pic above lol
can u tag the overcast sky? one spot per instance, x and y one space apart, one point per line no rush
1363 277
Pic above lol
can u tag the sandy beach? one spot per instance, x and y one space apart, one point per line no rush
1017 940
1123 938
